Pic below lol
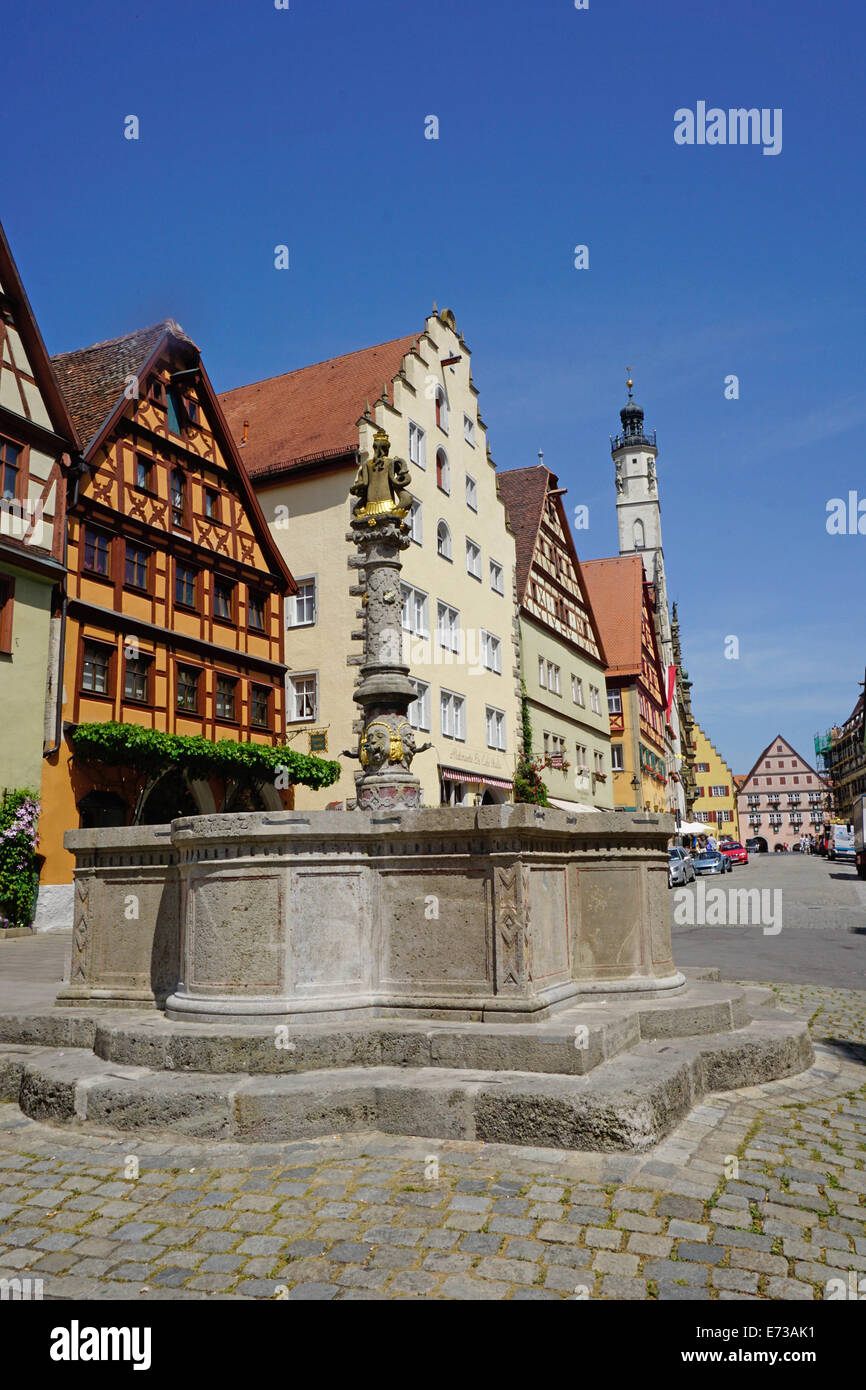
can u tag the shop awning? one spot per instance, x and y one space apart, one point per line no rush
574 806
456 774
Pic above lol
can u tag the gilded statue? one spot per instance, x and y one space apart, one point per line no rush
381 483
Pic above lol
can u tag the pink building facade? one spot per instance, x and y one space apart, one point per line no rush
782 798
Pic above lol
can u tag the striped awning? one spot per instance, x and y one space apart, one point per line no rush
456 774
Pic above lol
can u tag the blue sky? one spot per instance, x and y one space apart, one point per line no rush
306 127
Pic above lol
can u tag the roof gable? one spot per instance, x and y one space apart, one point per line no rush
616 589
311 413
787 751
18 315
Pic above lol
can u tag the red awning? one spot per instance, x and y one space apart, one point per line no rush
456 774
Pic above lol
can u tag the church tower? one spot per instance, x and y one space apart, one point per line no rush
638 510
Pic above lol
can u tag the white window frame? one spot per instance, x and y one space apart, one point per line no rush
447 626
594 701
494 720
491 652
418 611
418 712
292 692
415 522
617 759
445 485
471 493
542 673
554 678
443 540
496 568
452 715
577 691
598 761
442 400
418 440
614 702
469 430
292 619
473 546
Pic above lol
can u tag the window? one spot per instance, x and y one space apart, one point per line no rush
301 609
497 577
143 471
136 679
638 534
7 605
443 471
441 410
616 758
473 559
211 504
136 566
260 706
172 418
96 671
184 585
718 791
256 610
580 754
553 678
594 702
705 767
96 548
452 712
418 712
577 691
415 617
303 697
471 493
187 688
469 431
178 498
417 445
491 652
614 702
157 392
415 523
225 697
554 745
598 762
443 541
224 601
191 408
495 719
448 627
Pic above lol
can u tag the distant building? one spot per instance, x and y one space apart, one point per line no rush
715 793
842 753
623 601
562 656
782 797
639 523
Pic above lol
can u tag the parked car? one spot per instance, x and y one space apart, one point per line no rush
841 843
756 845
734 852
709 861
681 868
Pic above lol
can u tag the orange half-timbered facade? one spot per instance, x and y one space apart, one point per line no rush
174 601
623 602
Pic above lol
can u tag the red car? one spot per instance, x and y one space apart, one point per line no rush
735 852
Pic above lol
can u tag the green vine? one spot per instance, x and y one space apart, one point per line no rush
19 818
152 753
528 784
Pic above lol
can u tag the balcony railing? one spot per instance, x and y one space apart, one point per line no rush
633 441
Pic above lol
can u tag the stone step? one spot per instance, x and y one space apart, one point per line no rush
573 1042
626 1103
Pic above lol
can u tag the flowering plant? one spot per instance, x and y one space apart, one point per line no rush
19 817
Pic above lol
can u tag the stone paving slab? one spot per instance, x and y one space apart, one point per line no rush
759 1193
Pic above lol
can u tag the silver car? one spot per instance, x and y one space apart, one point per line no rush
710 861
681 870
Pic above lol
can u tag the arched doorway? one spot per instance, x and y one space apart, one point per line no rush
101 809
171 797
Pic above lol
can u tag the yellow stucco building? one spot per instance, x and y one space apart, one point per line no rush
716 794
302 436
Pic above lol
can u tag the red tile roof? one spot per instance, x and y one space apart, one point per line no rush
523 491
311 413
616 592
93 379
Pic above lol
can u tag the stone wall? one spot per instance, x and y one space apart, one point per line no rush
497 913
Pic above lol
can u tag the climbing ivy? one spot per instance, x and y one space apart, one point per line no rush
19 818
528 784
152 754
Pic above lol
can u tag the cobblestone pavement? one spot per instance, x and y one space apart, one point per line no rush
758 1194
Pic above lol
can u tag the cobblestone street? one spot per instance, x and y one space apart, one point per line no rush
371 1216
